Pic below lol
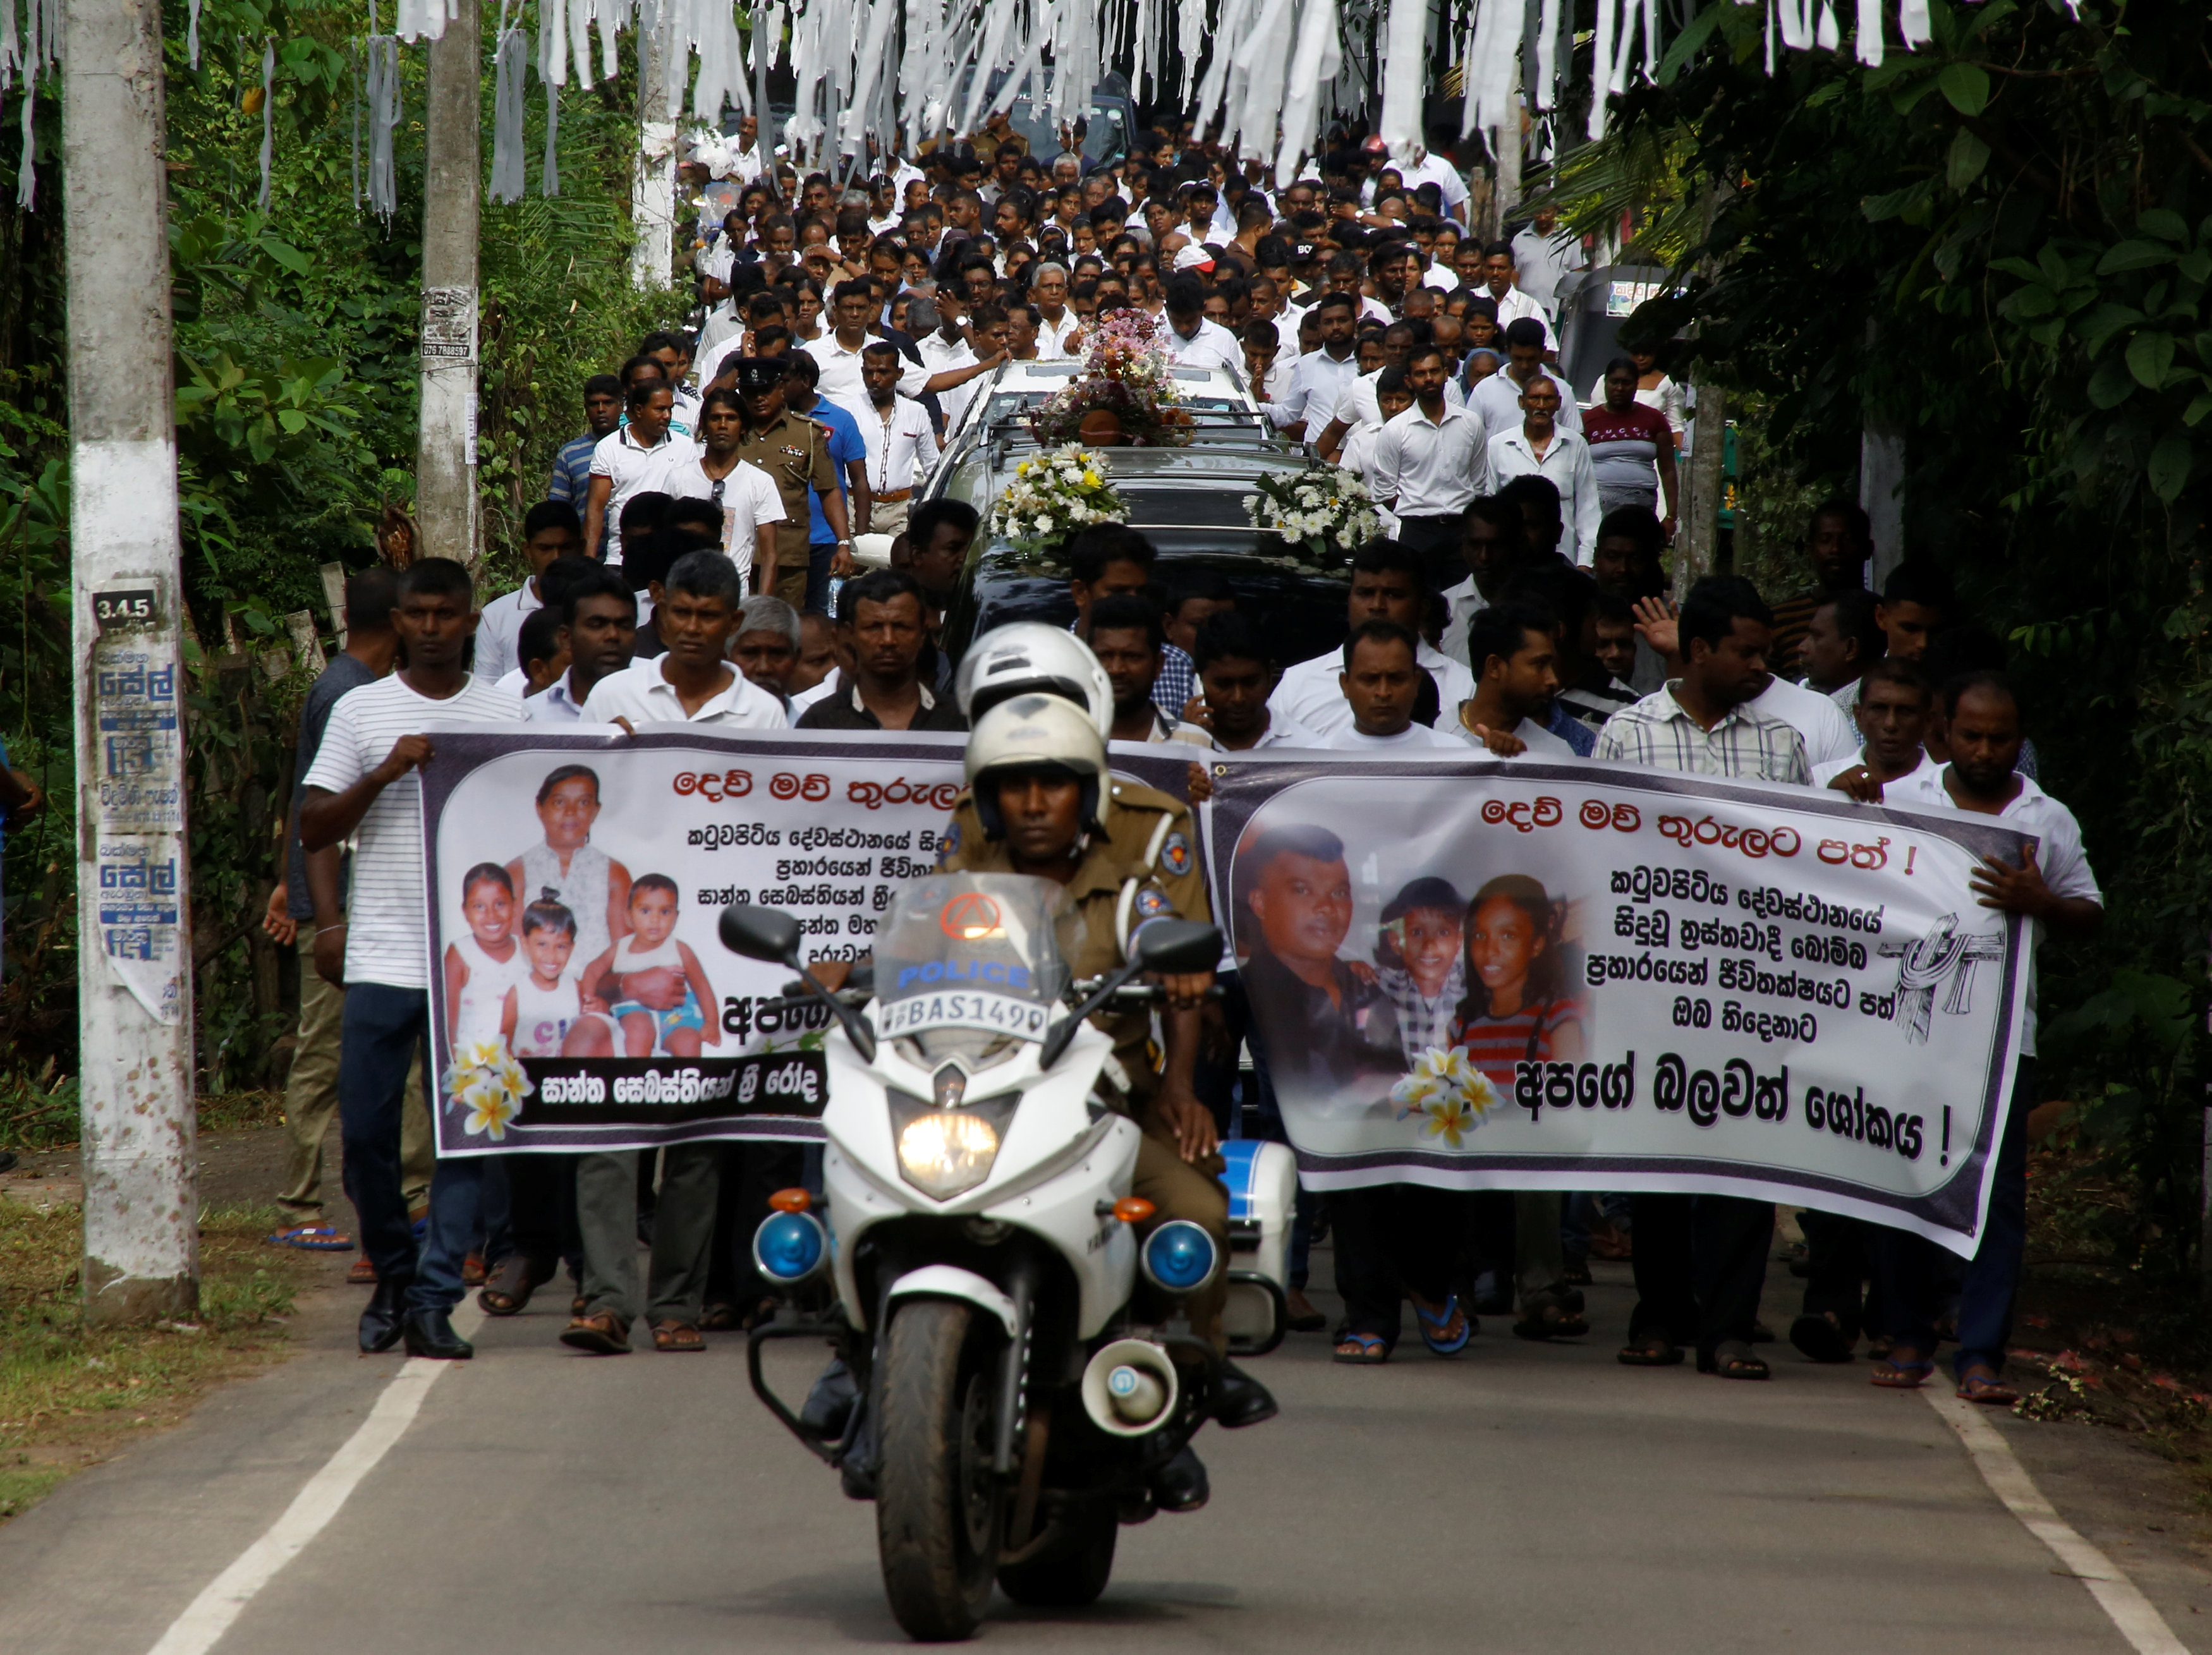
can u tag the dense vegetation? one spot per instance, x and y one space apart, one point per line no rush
295 379
2000 244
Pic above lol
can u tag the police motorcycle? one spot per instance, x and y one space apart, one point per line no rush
1020 1368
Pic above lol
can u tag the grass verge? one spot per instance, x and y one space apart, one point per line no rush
69 1396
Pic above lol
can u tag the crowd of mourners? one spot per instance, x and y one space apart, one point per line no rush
695 559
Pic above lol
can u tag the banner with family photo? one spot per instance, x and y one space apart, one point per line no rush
580 996
1504 974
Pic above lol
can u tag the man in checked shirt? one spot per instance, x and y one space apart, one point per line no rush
1701 1260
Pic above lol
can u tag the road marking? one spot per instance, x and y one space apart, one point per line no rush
210 1615
2122 1602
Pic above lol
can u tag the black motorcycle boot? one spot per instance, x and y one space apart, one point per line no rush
430 1333
1239 1399
380 1322
1181 1484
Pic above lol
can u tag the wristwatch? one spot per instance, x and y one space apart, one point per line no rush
844 542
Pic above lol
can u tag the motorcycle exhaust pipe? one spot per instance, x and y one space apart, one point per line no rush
1129 1387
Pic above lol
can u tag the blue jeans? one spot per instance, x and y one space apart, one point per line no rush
385 1026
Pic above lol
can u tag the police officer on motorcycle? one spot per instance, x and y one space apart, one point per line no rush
1042 800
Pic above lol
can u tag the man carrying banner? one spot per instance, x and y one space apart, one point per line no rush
1701 1260
2053 886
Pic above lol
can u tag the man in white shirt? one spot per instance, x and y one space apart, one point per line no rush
1513 303
1379 683
694 681
1825 726
750 504
364 784
1543 253
602 628
550 531
1234 677
1427 465
1498 398
1519 677
1387 584
1192 340
1319 378
2054 887
1056 323
1892 714
946 350
1490 548
901 444
1417 166
1535 445
636 459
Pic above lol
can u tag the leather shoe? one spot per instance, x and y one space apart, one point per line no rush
430 1333
379 1323
1181 1485
1239 1399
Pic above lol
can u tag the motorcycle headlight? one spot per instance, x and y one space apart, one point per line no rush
943 1152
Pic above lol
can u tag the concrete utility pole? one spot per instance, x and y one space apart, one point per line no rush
134 960
1700 527
661 70
446 447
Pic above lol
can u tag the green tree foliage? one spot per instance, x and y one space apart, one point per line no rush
295 386
2000 244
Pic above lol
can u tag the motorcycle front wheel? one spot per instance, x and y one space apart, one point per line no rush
1073 1573
938 1505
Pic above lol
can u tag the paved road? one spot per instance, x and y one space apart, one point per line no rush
1521 1498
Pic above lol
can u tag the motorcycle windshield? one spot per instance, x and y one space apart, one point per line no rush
967 965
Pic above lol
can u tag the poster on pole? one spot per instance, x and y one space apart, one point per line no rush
581 997
1482 973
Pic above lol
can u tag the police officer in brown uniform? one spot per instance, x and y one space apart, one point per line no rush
1041 801
794 451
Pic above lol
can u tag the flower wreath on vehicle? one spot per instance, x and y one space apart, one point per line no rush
1126 396
1322 514
1054 494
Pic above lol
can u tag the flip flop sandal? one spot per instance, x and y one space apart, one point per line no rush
1991 1392
1733 1359
1432 1327
312 1237
718 1319
508 1288
677 1336
1371 1352
363 1275
1552 1316
472 1270
1312 1322
1892 1375
1654 1350
1818 1339
603 1334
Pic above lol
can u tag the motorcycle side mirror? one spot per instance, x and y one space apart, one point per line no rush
1176 947
768 934
772 935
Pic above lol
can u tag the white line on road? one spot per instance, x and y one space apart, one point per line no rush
2137 1618
210 1615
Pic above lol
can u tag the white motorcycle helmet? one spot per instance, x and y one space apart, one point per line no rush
1031 657
1038 732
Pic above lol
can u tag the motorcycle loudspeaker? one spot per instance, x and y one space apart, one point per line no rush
1129 1387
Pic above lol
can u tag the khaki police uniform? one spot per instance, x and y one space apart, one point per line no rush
794 451
1146 868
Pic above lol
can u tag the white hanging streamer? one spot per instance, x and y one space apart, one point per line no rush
1868 32
510 87
27 173
191 30
381 93
268 121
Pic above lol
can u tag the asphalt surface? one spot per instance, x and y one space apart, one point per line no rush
1518 1498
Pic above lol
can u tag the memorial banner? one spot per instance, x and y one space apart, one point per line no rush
580 996
1482 973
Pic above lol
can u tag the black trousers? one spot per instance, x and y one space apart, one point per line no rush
1390 1239
1437 540
1839 1261
540 1209
1700 1264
